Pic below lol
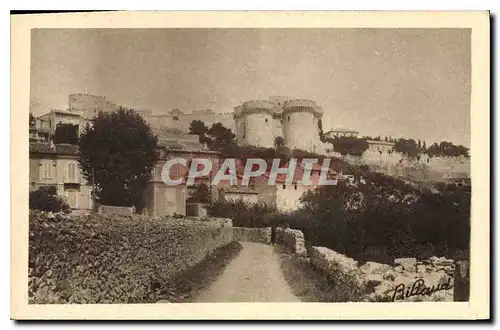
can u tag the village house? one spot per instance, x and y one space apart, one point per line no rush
57 165
162 199
55 117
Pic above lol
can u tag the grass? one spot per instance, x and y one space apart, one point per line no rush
310 285
188 285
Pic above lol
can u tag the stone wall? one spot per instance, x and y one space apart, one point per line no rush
196 209
119 210
407 279
115 259
292 240
259 235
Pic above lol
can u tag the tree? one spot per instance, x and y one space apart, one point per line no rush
32 120
349 145
197 127
407 147
201 194
279 142
320 131
447 149
220 136
118 151
66 133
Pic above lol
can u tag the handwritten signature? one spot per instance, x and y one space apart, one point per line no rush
419 288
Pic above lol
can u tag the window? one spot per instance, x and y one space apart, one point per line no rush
176 118
72 171
281 121
288 118
284 187
45 170
295 187
266 120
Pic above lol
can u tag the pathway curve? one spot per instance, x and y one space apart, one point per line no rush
253 276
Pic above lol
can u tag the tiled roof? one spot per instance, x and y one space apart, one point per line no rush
57 149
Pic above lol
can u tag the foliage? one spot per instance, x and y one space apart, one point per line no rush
447 149
32 120
349 145
407 147
220 136
414 149
117 150
244 214
201 194
385 212
46 199
279 142
198 127
66 133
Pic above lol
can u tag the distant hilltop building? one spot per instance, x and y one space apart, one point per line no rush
87 106
261 122
177 119
341 132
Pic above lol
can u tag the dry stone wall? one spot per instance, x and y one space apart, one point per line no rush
258 235
408 279
115 259
119 210
292 239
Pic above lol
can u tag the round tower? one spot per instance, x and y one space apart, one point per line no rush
300 124
254 123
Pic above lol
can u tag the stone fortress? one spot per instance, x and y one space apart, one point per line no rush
296 121
88 106
261 122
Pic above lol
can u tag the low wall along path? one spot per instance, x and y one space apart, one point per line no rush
99 258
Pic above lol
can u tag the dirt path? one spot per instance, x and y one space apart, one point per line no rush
254 276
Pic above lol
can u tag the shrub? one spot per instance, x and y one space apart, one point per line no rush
244 214
201 194
46 199
387 216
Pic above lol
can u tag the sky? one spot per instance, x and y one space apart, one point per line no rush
412 83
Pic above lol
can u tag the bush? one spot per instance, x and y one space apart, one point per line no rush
244 214
46 199
387 216
201 194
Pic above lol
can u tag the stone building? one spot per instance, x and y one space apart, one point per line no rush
260 122
87 106
162 199
39 130
57 165
341 132
55 117
177 119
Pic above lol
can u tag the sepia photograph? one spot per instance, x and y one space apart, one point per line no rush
185 166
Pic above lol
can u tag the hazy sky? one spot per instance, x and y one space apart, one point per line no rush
399 82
